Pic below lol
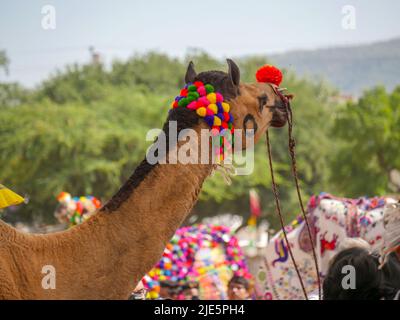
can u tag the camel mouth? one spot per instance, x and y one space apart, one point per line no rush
279 118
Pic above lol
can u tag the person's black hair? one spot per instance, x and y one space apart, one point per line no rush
370 282
240 280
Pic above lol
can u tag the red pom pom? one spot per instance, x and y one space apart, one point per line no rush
269 74
226 116
199 104
184 92
198 84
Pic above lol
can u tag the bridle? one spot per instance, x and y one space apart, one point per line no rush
291 145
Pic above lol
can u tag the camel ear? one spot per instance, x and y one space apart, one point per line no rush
190 73
234 72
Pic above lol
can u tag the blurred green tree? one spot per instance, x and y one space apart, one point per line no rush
368 146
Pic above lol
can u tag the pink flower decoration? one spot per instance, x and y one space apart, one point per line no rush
192 105
201 91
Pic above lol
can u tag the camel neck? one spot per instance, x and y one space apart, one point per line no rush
144 215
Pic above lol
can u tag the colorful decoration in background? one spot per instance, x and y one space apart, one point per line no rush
75 210
209 105
208 254
9 198
332 220
255 207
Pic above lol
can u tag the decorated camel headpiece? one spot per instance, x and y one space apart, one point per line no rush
210 104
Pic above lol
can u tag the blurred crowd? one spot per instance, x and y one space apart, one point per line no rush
239 288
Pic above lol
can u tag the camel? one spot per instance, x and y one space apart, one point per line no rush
107 255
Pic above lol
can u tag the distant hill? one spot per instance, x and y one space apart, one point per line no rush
351 69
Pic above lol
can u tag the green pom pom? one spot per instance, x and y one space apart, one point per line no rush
193 95
192 88
183 102
209 88
190 98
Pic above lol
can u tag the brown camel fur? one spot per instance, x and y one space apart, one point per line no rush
106 256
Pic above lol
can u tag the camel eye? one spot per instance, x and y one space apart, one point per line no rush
262 102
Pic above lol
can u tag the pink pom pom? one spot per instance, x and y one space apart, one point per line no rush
219 97
201 91
210 112
204 101
192 105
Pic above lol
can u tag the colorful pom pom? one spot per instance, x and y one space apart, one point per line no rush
205 101
209 111
199 104
269 74
201 112
183 102
225 106
212 97
192 88
217 121
202 91
213 107
193 96
210 120
209 88
198 84
220 109
192 105
226 116
184 92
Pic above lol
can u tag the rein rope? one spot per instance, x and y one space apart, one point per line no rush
292 146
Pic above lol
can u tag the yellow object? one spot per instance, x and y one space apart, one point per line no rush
217 121
213 107
212 97
9 198
201 111
252 221
225 106
153 295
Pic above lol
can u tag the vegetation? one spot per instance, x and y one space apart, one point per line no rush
83 131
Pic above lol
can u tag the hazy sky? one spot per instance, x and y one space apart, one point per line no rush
119 28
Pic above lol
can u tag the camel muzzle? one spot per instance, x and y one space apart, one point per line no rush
280 116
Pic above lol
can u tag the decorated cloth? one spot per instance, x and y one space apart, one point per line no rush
205 253
75 210
332 220
391 237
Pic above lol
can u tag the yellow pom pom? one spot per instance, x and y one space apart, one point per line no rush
217 121
213 107
212 97
225 106
201 112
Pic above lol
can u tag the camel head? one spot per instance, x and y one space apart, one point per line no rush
257 105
